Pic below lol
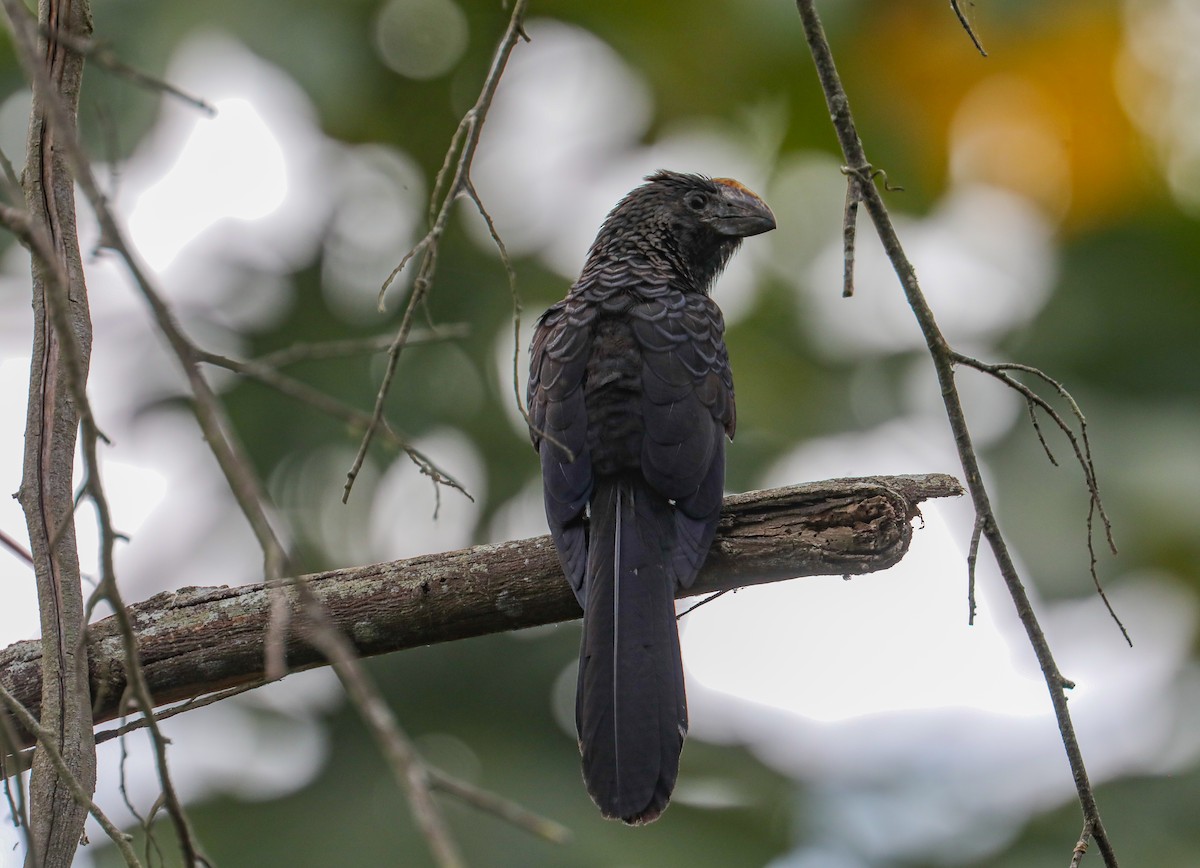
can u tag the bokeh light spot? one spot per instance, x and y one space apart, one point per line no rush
421 39
231 165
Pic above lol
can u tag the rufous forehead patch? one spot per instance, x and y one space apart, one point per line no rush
737 185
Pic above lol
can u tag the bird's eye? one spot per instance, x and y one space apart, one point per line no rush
697 201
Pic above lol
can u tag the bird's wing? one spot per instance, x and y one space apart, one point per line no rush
558 363
687 410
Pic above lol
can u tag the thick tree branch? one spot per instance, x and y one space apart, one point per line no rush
200 640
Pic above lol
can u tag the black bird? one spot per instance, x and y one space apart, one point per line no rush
631 398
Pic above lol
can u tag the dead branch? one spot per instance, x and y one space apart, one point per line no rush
199 640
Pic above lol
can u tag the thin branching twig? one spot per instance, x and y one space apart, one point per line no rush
107 59
337 349
1081 847
505 809
453 181
357 419
190 705
1080 444
46 741
944 361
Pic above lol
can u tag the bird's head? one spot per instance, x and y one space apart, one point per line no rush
693 222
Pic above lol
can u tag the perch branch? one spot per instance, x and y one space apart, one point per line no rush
200 640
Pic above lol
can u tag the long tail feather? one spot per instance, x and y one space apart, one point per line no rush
630 709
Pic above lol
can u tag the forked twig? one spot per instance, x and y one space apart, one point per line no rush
269 376
1080 444
453 181
46 741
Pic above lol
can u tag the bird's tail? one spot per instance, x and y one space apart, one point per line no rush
630 707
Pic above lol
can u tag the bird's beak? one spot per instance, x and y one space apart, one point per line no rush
740 212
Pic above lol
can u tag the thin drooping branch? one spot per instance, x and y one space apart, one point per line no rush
1080 445
201 640
464 143
269 376
943 361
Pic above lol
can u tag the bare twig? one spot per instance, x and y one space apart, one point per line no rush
710 598
190 705
338 349
46 741
301 391
104 57
1081 847
507 810
108 590
473 194
943 360
15 547
410 771
464 143
849 232
1080 444
966 25
972 559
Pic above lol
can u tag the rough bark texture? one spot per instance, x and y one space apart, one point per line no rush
199 640
46 493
